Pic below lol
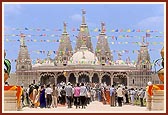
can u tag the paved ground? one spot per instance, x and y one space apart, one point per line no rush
94 107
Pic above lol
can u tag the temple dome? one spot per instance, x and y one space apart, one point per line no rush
84 56
47 64
36 65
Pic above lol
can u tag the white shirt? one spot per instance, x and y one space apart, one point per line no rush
119 92
48 90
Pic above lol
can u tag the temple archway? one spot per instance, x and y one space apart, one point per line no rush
44 80
95 78
106 79
61 78
83 78
72 78
120 78
47 78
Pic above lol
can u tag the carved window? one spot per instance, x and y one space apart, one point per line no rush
22 67
133 81
64 58
144 66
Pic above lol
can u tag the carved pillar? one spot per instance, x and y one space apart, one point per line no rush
77 79
67 78
127 80
55 78
91 75
111 79
76 76
100 77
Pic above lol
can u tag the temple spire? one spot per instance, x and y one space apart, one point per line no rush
84 40
48 54
23 60
65 48
103 51
102 27
65 27
119 56
22 39
84 31
143 39
83 17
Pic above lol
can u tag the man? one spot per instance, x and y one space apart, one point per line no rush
119 96
132 95
83 93
69 94
54 96
112 96
48 92
126 95
141 96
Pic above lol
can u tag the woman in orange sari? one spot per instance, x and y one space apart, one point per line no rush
34 96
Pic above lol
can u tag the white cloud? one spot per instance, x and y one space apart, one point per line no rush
12 9
152 22
76 17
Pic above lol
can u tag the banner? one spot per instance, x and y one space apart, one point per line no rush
73 29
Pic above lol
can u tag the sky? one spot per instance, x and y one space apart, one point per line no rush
45 21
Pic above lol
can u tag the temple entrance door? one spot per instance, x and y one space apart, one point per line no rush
72 78
106 79
61 78
44 80
83 78
47 78
95 78
120 79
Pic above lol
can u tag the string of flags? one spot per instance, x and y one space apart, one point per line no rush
97 50
41 61
74 41
112 37
82 29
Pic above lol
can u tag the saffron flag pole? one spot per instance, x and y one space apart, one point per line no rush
83 11
147 35
103 26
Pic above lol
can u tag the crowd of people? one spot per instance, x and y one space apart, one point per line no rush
79 95
123 95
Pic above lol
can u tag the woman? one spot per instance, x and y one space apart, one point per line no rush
77 96
33 94
42 98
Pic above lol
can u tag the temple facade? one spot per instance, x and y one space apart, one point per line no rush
83 64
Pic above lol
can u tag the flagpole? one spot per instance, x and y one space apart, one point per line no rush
147 35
